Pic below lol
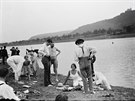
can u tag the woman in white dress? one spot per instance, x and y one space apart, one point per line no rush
75 76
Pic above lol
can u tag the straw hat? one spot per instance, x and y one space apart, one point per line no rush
60 84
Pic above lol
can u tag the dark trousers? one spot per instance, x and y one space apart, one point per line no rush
86 72
92 65
92 68
3 59
46 62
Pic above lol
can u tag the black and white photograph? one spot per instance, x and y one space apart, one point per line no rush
67 50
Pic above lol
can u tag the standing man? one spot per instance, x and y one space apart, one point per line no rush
46 61
4 55
54 52
83 57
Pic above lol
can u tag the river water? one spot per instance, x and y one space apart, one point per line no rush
115 59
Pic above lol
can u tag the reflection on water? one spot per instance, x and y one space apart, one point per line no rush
115 60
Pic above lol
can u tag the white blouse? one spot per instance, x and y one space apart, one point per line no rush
7 91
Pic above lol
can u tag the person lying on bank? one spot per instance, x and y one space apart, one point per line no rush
100 80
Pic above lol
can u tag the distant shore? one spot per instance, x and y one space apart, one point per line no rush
98 37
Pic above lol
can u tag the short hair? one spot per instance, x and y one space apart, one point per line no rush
4 46
26 56
36 50
61 97
49 40
3 72
79 41
74 65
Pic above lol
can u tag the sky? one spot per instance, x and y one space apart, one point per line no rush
22 19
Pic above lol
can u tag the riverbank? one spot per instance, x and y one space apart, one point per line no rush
37 91
61 40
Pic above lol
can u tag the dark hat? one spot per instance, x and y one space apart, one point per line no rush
79 41
49 40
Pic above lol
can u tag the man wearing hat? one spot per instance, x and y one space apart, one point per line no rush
83 55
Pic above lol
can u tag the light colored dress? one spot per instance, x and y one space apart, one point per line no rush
77 80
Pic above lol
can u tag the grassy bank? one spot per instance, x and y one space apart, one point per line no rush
49 93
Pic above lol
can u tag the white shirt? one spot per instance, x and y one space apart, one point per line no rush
79 53
44 49
16 59
7 91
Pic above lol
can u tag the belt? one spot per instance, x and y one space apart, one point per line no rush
85 57
1 84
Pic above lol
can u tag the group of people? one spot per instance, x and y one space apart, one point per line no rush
46 56
86 77
4 53
33 60
85 57
15 51
49 55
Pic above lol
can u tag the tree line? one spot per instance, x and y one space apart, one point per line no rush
96 34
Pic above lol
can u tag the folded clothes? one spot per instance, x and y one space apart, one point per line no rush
27 86
65 88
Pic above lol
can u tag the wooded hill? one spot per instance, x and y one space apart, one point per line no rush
120 26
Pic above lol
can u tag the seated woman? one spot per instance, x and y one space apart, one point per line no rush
75 76
100 79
